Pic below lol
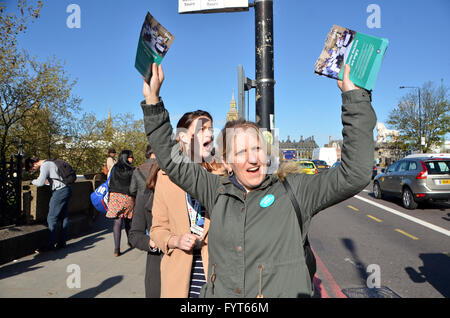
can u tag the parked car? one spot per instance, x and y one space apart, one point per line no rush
307 166
321 165
415 179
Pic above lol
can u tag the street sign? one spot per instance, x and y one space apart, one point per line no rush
211 6
289 154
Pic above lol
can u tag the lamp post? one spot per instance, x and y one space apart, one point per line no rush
420 115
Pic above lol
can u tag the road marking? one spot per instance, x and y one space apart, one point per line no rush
374 218
406 234
366 190
328 278
352 207
406 216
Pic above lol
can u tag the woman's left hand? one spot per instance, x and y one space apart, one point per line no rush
151 91
346 84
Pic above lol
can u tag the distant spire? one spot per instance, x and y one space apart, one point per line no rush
232 113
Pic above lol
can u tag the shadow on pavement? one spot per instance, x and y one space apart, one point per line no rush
100 228
435 270
95 291
348 243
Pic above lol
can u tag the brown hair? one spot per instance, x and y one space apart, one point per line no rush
188 118
185 122
152 176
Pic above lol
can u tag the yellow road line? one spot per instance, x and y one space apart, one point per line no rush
352 207
374 218
406 234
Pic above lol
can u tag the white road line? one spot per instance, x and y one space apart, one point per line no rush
406 216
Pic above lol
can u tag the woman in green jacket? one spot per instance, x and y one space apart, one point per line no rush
255 242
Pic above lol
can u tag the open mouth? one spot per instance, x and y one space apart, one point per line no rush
207 144
253 170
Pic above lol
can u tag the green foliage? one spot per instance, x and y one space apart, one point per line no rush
38 107
434 122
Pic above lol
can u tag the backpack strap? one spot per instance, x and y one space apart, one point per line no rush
294 202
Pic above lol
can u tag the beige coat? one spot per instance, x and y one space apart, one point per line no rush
170 217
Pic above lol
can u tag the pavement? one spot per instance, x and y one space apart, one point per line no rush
101 274
87 268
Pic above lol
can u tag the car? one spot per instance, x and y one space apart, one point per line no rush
321 165
307 166
337 163
415 179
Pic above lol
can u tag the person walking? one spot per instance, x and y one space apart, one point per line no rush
121 203
110 161
180 223
255 241
142 188
58 216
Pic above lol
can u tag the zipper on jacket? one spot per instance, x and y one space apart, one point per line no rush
213 278
260 295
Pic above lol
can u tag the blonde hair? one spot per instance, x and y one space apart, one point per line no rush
286 169
223 139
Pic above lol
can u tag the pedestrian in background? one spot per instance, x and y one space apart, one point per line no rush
59 201
110 161
121 203
142 188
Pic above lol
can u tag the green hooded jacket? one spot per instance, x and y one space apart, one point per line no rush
255 243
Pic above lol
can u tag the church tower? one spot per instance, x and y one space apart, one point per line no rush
233 112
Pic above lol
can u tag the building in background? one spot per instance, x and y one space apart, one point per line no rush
337 144
232 112
304 147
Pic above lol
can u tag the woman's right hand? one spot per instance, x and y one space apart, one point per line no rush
151 92
186 242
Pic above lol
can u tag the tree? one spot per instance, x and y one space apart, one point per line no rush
34 95
433 122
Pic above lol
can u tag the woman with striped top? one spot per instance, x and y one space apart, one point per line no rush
180 223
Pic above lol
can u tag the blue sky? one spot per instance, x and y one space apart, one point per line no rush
201 65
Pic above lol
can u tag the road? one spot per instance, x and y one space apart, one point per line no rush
411 248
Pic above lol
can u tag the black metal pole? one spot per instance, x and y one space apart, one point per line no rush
19 157
264 66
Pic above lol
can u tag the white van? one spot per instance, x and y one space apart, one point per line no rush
326 154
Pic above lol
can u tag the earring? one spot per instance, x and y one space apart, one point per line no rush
230 173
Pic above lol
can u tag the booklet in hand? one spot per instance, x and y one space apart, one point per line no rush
364 54
154 42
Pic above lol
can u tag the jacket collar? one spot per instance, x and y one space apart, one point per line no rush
230 185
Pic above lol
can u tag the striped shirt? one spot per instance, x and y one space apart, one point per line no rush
197 275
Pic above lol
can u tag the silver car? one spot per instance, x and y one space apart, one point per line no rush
415 179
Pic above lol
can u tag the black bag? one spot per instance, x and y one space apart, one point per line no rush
309 255
65 170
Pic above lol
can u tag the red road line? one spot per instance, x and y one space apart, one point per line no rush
318 286
329 279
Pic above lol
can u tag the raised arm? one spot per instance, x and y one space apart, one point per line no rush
189 176
317 192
